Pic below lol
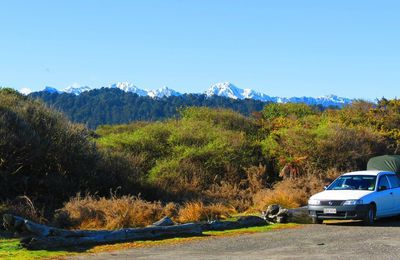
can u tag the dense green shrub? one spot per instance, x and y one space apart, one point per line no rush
44 156
188 155
297 110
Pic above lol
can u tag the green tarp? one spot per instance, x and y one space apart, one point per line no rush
385 163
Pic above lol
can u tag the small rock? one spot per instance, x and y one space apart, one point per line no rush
277 214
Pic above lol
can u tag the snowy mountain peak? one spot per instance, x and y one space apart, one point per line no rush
334 99
162 92
129 87
227 89
76 89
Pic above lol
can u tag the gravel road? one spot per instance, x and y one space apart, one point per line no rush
343 240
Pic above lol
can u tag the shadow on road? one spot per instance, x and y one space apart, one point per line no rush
384 222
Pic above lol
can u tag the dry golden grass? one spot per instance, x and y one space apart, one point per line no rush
197 211
90 212
287 198
229 194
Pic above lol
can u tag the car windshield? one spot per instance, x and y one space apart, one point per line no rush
353 182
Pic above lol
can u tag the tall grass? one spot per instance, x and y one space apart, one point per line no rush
91 212
196 211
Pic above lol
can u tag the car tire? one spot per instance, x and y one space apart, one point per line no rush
316 220
369 218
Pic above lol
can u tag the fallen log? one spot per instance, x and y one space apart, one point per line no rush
241 222
45 237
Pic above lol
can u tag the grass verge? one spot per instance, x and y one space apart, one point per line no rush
10 249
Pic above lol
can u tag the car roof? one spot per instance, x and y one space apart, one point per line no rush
370 173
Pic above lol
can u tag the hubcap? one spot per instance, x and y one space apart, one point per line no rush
371 215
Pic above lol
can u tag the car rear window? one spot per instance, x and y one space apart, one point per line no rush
394 181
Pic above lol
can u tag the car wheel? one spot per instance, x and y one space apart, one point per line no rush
369 219
316 220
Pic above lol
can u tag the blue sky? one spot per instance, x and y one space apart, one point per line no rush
281 48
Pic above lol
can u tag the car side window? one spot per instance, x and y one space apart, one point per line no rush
383 182
394 181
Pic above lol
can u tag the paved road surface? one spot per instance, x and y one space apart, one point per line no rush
345 240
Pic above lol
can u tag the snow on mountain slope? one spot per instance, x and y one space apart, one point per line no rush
76 89
25 91
227 89
129 87
224 89
162 92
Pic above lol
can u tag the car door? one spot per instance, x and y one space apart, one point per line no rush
395 188
384 198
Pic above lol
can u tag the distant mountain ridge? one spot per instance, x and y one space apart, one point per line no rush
125 86
116 106
224 89
227 89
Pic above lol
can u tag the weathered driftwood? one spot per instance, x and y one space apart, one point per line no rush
241 222
45 237
165 221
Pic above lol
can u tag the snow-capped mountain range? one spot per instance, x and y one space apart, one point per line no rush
225 89
229 90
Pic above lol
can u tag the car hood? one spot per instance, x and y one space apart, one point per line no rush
341 194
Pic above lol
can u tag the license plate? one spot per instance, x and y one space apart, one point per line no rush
329 211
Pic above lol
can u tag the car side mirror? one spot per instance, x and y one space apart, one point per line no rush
381 188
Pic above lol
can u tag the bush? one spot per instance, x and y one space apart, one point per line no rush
296 110
185 157
49 153
47 158
224 118
329 145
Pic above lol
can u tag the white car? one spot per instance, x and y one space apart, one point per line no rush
365 195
